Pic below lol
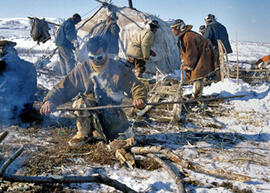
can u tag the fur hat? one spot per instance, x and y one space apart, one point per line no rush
210 17
95 43
76 17
179 24
202 28
154 23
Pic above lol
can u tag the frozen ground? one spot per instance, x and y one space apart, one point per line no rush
235 139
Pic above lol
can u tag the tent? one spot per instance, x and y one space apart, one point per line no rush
130 22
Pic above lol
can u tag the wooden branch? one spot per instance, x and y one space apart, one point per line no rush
220 173
237 64
146 149
10 160
97 178
153 103
3 136
177 179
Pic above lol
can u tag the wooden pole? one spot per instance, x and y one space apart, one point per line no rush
153 103
130 4
237 64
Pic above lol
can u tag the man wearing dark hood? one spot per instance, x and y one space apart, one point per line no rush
101 81
216 31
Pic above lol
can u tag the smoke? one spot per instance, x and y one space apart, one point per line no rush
107 90
18 84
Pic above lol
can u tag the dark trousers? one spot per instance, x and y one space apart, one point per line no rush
139 65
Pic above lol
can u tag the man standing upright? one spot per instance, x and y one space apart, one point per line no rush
66 42
197 54
110 33
216 31
139 48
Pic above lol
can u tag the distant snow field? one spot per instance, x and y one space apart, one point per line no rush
250 119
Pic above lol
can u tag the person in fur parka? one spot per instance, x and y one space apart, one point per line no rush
197 54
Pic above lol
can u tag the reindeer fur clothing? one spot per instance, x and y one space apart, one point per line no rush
197 54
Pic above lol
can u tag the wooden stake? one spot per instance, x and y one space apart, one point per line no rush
237 64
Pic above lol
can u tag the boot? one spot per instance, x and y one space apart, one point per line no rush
84 133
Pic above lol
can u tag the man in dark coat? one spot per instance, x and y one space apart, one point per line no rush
216 31
197 54
66 42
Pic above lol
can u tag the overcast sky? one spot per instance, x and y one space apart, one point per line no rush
249 18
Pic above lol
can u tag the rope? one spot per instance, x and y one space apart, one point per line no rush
90 11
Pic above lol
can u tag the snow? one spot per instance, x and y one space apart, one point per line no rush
250 120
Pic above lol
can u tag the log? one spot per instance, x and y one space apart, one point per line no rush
10 160
220 173
146 149
96 178
3 136
178 181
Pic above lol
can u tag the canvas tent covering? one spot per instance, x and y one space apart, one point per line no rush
130 22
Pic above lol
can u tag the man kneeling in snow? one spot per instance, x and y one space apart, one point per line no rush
18 84
101 81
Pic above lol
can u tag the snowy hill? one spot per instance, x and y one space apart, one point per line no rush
234 136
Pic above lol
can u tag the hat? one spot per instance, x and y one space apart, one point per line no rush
7 43
179 24
95 43
210 17
202 28
154 23
76 17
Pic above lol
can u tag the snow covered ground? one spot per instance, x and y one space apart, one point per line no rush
246 123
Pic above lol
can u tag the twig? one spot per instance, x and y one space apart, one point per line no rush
3 136
192 166
178 181
10 160
97 178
